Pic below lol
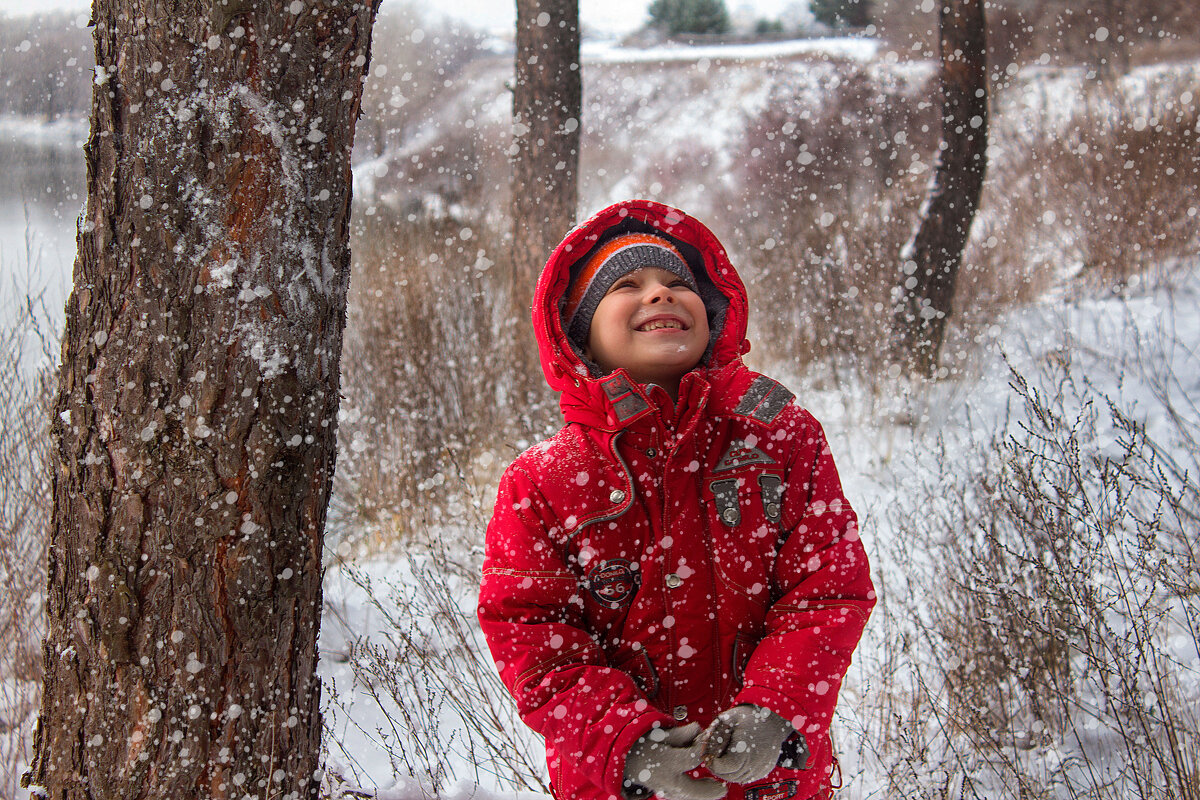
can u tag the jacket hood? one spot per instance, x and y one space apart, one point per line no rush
722 290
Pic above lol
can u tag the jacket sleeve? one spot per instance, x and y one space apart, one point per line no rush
823 588
530 613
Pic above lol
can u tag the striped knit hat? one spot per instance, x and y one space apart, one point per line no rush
594 276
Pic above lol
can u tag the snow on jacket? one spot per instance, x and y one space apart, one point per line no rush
654 563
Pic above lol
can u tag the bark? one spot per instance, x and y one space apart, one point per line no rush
547 108
195 420
932 257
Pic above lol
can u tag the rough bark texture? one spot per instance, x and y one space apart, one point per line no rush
547 103
195 421
931 259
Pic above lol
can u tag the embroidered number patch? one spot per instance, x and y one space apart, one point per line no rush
613 582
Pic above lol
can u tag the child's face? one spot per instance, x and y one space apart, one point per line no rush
651 324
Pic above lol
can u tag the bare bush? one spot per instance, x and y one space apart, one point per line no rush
25 394
1089 196
1109 36
444 715
819 269
1056 655
439 391
1105 194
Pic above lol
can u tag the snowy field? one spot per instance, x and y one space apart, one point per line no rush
413 707
1140 351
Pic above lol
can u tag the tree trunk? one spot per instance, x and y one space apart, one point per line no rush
194 428
547 107
932 257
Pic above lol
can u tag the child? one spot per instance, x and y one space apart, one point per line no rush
673 583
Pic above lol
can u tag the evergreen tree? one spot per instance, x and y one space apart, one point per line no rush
690 16
841 13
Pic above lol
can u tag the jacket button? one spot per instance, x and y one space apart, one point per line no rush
730 516
652 452
617 496
680 713
674 581
772 509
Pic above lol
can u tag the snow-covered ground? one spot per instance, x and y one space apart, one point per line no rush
404 735
1141 351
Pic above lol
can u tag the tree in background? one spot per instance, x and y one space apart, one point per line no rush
931 258
841 13
689 16
194 425
547 107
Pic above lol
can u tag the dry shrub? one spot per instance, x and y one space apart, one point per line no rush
1053 654
1105 196
438 393
1130 178
1091 197
25 505
830 195
1110 36
445 716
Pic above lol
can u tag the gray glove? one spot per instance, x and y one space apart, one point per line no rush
659 761
742 745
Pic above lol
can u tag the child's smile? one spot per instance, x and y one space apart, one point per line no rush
651 324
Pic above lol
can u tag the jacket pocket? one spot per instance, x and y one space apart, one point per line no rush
641 669
742 513
743 647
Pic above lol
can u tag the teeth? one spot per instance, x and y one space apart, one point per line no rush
661 323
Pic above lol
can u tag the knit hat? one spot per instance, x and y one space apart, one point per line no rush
594 276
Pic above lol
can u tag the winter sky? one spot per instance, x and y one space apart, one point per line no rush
615 16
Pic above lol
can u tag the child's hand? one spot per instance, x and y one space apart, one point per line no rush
742 745
660 760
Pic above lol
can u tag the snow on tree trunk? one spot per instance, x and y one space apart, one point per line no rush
547 106
195 421
930 260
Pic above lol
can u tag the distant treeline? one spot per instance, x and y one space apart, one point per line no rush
47 62
46 65
1111 33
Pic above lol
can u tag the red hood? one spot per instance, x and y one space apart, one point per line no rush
565 370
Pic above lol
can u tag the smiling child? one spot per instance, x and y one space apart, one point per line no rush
674 583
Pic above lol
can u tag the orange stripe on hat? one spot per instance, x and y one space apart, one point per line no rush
616 258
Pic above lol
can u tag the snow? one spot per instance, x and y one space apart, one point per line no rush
63 134
845 47
1125 348
1139 350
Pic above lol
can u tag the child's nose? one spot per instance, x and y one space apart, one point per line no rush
661 293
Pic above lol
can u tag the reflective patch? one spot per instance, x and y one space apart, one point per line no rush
772 496
764 400
740 454
780 790
625 402
613 582
616 387
726 494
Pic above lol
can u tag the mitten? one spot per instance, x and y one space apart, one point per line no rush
659 761
742 745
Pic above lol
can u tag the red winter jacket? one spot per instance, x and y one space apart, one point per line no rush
655 564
